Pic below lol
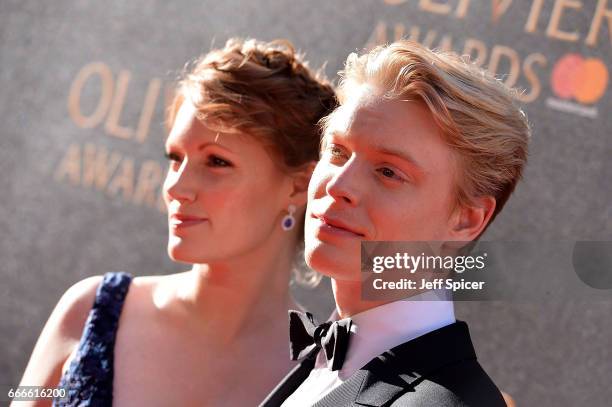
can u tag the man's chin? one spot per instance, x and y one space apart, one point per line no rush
332 262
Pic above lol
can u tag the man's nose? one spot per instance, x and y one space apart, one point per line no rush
344 184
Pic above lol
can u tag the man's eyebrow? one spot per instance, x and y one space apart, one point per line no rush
399 154
377 148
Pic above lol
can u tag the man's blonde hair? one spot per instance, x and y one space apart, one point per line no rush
476 113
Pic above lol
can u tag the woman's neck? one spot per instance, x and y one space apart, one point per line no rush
232 299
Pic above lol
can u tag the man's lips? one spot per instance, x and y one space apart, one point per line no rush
336 225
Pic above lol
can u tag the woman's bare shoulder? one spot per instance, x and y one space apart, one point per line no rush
74 306
153 290
61 334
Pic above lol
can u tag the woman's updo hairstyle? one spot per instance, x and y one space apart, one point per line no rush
263 89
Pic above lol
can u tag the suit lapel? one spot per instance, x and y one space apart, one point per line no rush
401 369
373 385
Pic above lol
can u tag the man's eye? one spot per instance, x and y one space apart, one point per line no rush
214 161
389 173
334 150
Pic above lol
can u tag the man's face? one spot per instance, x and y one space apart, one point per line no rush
385 174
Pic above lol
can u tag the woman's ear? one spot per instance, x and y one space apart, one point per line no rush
468 222
300 180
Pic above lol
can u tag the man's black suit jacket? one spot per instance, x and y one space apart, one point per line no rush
437 369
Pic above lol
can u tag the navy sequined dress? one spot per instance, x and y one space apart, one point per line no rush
89 378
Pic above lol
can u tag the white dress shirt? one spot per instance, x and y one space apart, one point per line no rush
373 332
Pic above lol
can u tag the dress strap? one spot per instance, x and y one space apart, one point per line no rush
89 378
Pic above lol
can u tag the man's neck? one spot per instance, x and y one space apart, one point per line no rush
348 298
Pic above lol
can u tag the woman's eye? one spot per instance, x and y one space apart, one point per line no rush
172 157
215 161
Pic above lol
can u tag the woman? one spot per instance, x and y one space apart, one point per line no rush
242 145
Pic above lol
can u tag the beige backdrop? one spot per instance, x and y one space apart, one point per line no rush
83 85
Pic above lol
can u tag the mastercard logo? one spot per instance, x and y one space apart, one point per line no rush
583 79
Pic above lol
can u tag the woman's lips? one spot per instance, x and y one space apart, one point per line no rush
177 221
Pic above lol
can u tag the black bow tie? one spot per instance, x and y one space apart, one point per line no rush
305 336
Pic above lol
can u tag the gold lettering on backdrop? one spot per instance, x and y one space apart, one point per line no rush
92 167
414 33
532 78
70 165
472 45
378 36
123 180
169 92
462 8
161 204
147 110
601 12
102 71
97 167
428 41
446 43
112 125
478 53
534 15
437 6
112 101
398 30
149 179
499 8
511 55
553 30
434 6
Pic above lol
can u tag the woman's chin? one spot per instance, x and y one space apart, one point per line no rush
181 254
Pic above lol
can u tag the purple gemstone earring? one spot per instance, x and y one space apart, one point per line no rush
288 221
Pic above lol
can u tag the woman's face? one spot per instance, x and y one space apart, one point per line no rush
385 174
225 195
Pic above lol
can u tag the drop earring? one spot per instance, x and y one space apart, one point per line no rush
288 221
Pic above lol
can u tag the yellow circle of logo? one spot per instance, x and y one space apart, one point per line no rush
585 80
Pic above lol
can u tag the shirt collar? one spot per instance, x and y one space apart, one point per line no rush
381 328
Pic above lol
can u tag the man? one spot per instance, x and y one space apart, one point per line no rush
423 147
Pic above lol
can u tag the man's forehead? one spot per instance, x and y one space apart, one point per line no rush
361 108
404 128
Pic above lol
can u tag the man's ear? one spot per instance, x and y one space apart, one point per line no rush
469 221
300 180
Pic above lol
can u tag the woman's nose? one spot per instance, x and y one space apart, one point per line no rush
178 185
